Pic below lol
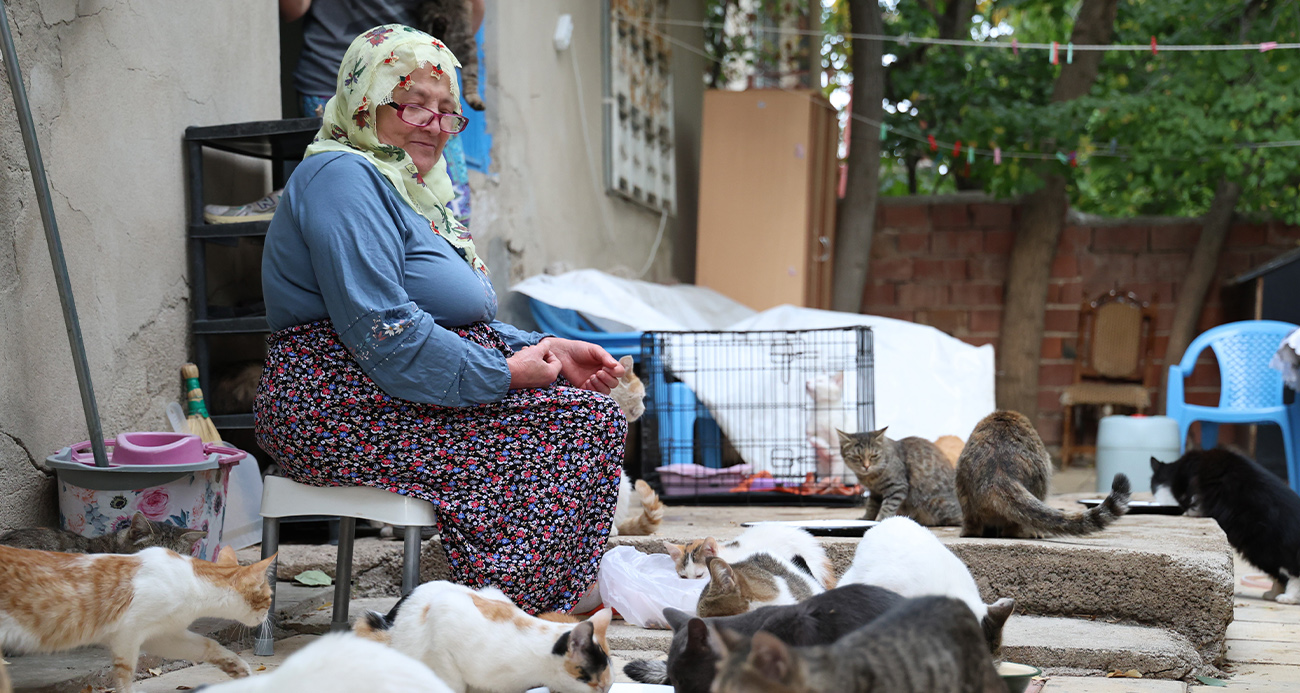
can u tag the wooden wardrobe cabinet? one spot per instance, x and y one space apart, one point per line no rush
768 180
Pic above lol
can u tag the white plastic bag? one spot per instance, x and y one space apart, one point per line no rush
639 586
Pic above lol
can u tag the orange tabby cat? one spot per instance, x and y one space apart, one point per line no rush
57 601
951 447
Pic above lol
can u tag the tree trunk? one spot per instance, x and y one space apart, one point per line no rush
1039 231
1200 273
1020 347
956 19
857 213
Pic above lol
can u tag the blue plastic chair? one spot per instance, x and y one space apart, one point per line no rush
674 404
1249 391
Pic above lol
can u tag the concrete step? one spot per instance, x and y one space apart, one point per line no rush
1058 646
1173 573
1079 647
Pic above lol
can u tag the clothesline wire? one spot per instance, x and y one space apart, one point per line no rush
940 144
1003 45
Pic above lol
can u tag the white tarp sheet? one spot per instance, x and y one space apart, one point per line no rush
927 383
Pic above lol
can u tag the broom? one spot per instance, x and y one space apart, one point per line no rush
199 422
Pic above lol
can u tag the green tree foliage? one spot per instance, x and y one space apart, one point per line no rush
1155 135
1183 121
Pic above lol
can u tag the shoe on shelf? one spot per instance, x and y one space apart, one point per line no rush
262 210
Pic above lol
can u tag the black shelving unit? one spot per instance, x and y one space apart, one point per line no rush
282 142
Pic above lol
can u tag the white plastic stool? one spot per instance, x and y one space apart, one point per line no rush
284 498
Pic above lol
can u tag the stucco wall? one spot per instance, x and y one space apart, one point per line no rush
539 210
113 85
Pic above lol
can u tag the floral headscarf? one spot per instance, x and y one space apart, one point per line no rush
377 62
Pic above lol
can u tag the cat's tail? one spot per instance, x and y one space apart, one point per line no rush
373 626
651 516
1037 517
647 671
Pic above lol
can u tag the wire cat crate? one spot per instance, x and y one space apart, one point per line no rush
748 417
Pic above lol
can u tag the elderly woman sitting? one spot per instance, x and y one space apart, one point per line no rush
387 368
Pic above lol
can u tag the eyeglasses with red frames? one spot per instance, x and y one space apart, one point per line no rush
419 116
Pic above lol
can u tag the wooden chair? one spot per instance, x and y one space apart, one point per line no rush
1112 362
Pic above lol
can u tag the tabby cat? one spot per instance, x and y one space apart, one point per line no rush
1258 512
906 477
819 620
1002 478
452 21
141 533
55 601
760 580
922 645
478 639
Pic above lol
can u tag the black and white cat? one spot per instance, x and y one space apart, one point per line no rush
1259 513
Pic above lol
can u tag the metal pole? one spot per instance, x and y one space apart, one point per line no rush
52 240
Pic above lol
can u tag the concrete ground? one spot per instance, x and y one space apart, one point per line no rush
1263 640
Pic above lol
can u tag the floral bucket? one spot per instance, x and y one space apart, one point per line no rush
190 493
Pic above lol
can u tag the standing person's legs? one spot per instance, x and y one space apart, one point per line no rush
312 105
458 171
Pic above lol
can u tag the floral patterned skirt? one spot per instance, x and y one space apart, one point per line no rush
524 488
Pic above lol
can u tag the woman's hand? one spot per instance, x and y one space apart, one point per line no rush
534 366
584 364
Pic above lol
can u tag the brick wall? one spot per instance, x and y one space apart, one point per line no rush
942 261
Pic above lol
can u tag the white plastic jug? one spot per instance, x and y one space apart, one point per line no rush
1127 443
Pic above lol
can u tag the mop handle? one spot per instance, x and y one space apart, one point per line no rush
80 365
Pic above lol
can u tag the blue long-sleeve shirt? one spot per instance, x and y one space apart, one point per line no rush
344 245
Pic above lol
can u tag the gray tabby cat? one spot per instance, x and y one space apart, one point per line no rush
819 620
141 534
924 645
906 477
1002 478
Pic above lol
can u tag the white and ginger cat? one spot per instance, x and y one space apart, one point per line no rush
54 601
828 415
630 396
786 543
341 663
900 555
478 639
